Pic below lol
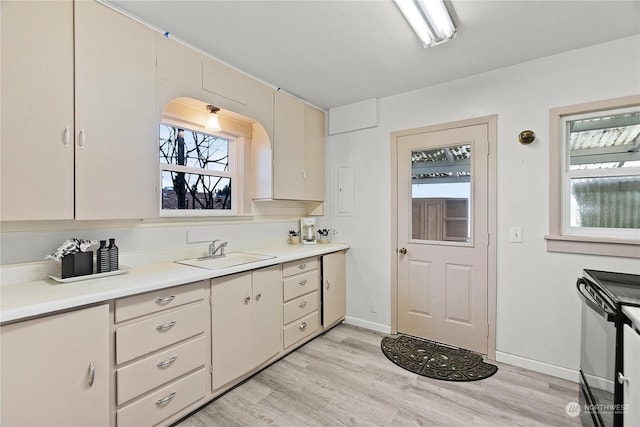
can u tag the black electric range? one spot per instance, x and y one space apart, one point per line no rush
603 294
621 288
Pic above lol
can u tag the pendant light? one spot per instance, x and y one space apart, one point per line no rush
213 123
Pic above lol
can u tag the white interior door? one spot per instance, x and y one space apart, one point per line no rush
442 266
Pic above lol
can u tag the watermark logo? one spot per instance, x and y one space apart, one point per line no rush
572 409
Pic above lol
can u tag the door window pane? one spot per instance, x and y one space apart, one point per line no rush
441 194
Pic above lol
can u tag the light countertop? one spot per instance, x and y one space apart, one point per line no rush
43 295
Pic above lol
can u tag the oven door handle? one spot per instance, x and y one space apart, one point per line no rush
610 316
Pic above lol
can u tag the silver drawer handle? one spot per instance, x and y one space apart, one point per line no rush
167 362
165 400
302 326
302 282
302 266
92 374
303 304
328 285
165 300
166 326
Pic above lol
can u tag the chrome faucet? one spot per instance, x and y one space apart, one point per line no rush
213 249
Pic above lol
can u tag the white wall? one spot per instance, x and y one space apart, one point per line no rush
538 316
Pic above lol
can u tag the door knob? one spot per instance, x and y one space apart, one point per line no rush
403 251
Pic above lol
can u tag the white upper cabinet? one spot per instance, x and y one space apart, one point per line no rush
116 121
79 128
298 150
36 149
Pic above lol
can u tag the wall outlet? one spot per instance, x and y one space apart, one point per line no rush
515 234
335 232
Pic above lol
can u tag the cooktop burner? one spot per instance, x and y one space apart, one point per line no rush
622 288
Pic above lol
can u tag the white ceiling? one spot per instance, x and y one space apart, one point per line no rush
332 53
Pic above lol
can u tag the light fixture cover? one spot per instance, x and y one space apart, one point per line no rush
213 123
429 19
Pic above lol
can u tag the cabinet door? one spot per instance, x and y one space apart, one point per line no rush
313 154
116 124
37 110
288 148
47 367
231 327
267 313
334 292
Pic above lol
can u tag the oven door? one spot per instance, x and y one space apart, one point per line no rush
597 356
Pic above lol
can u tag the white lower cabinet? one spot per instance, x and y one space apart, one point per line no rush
334 288
160 354
246 322
55 370
301 298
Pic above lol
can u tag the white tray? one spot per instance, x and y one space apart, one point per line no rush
123 270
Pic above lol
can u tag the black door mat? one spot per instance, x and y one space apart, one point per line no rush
435 360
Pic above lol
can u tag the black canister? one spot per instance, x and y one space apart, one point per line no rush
113 255
102 258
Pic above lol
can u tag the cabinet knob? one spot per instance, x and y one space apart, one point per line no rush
92 374
167 362
258 297
328 285
302 326
165 300
303 304
165 400
166 326
302 282
247 300
403 251
302 266
81 139
66 139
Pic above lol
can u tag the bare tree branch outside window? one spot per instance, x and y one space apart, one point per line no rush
195 183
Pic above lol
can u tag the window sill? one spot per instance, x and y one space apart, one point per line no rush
594 246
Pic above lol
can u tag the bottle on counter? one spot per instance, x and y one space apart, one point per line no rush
102 258
113 255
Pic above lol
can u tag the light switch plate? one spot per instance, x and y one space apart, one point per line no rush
516 234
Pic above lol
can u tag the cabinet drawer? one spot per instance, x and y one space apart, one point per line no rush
162 299
160 331
165 402
301 329
300 266
300 307
301 284
160 368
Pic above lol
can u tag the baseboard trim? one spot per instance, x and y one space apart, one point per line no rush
535 365
385 329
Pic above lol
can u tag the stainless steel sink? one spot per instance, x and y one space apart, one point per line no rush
229 260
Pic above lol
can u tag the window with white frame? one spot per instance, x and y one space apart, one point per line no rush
197 171
598 174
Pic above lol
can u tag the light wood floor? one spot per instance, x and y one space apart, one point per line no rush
342 379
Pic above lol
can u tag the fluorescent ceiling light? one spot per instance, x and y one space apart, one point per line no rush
429 19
